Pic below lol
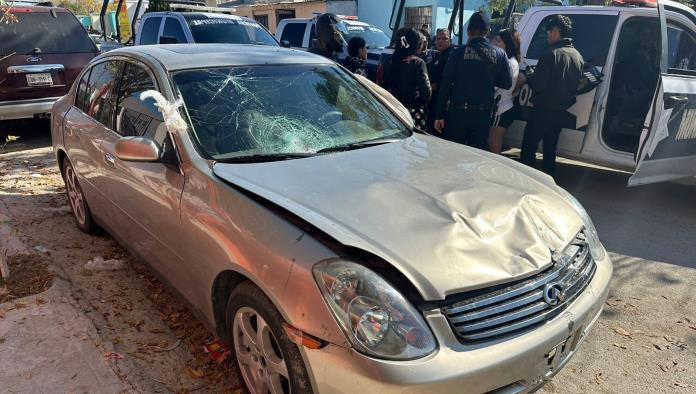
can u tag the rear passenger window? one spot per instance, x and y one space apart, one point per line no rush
294 33
80 95
172 28
135 80
99 93
150 31
592 36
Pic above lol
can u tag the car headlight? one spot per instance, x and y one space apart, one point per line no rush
596 248
376 318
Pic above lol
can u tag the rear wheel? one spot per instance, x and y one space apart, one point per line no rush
78 203
266 360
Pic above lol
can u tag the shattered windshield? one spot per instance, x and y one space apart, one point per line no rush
281 109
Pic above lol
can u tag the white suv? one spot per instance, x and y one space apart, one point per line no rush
299 33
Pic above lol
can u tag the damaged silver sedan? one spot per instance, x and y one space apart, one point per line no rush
333 247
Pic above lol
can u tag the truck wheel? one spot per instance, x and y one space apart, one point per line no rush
78 203
266 360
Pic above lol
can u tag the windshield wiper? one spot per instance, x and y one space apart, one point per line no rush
263 157
358 145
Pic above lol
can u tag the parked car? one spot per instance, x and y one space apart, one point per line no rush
332 246
200 27
42 53
299 33
104 44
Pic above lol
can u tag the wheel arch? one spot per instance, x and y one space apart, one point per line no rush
223 285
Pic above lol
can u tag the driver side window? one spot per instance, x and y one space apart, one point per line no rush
681 49
135 81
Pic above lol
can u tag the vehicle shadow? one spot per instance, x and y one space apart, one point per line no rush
654 222
32 133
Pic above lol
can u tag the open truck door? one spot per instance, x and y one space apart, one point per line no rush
667 149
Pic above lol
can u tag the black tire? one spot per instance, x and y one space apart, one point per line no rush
77 201
244 298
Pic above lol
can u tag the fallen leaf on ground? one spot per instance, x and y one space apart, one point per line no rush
656 346
194 373
113 356
157 331
27 376
20 305
623 332
619 346
679 384
598 378
663 368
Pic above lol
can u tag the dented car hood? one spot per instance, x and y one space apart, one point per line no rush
449 217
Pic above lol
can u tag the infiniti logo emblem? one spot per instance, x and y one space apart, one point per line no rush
553 293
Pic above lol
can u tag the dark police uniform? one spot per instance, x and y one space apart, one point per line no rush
465 98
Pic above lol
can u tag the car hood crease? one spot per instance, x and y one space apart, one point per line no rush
450 218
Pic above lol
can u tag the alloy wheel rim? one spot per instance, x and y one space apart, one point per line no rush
75 195
259 356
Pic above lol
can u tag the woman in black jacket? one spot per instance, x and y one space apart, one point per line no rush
407 76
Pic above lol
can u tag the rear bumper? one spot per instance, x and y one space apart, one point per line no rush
21 109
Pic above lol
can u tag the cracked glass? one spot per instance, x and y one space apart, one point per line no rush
254 111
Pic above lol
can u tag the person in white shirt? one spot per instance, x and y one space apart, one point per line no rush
509 41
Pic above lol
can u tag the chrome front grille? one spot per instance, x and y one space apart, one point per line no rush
535 300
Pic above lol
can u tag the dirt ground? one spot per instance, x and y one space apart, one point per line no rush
130 308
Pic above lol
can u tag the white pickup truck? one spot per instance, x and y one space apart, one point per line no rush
200 27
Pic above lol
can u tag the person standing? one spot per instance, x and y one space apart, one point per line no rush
554 84
436 67
465 100
406 76
357 55
329 40
509 41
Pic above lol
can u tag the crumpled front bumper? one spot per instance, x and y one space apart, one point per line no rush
22 109
517 364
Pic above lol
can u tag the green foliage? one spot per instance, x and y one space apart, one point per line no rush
155 6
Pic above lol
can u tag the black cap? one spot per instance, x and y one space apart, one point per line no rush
479 20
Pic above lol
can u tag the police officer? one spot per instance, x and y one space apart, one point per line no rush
329 40
465 101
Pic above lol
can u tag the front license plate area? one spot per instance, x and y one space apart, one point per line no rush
557 356
39 79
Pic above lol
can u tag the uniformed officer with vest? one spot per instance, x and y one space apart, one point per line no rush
466 98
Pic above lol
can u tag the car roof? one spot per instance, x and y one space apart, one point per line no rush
22 7
211 15
186 56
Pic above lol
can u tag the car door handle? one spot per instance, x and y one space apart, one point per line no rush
674 100
109 159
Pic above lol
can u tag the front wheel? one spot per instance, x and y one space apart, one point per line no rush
77 200
266 360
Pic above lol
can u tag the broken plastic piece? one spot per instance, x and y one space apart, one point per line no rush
217 350
99 264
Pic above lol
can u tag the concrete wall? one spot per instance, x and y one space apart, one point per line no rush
342 7
378 12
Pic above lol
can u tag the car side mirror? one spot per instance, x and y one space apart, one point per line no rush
285 43
168 40
138 149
